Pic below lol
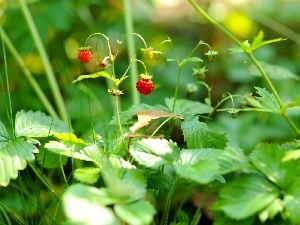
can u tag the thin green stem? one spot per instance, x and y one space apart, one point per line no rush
34 84
48 69
169 200
131 49
176 89
118 115
200 206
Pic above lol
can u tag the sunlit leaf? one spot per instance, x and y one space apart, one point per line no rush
199 135
292 202
136 213
93 75
83 205
246 196
13 157
88 175
38 124
154 152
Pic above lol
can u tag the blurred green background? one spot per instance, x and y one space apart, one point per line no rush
64 26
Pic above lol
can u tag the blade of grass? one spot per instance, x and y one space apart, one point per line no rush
34 84
131 48
48 68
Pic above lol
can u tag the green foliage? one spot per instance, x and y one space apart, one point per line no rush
132 168
198 135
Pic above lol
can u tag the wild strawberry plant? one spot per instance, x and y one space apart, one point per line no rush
133 174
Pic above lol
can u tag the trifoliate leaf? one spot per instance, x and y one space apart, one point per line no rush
192 166
83 205
88 175
136 213
187 107
267 99
268 159
38 124
199 135
246 196
154 152
13 156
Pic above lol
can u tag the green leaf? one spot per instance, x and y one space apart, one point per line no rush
267 99
170 60
137 213
50 160
258 39
271 210
229 159
82 205
199 135
275 72
131 186
13 156
268 159
38 124
192 166
290 155
4 136
88 175
154 152
93 75
246 196
159 181
187 107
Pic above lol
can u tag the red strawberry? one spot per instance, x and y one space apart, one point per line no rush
145 84
84 54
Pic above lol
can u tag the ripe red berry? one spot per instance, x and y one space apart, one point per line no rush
144 86
84 55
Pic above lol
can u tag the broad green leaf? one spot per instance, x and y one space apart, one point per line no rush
82 205
13 158
50 160
220 218
154 152
93 75
192 166
159 181
275 72
38 124
267 99
187 107
136 213
88 175
199 135
290 155
268 159
246 196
